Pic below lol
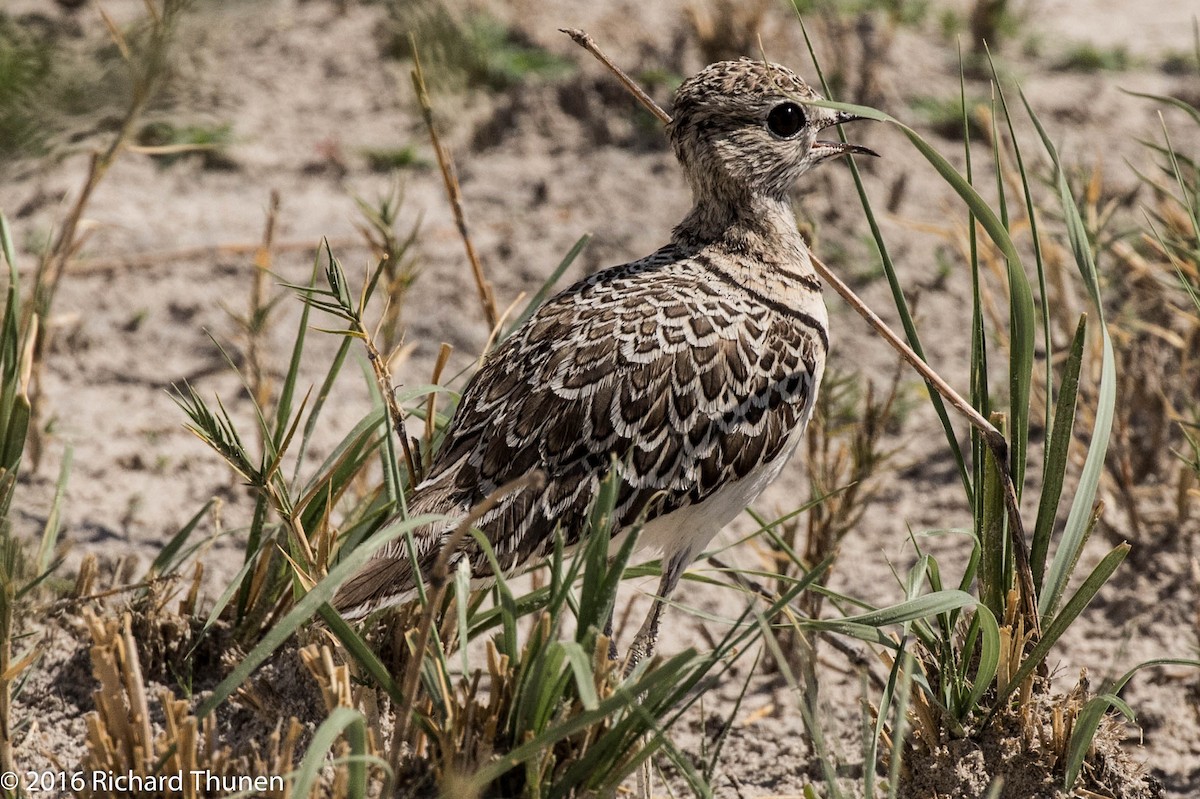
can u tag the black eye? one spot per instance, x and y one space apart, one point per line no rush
785 120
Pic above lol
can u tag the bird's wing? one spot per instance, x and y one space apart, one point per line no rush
689 386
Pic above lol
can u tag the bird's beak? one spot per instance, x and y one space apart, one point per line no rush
832 149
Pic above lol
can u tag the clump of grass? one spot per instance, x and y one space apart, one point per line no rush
24 72
944 116
168 143
388 159
1161 320
181 754
1088 57
50 87
1152 277
473 50
397 253
21 571
550 715
982 673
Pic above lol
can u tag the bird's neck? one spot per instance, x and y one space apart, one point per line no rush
760 227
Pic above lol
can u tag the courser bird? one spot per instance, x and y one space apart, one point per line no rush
694 369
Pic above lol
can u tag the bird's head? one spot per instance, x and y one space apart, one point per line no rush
743 127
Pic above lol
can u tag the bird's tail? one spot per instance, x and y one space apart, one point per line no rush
389 578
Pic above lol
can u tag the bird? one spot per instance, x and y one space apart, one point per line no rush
691 372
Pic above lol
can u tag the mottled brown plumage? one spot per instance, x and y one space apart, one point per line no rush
695 367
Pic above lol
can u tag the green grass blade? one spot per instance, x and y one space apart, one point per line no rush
462 596
1089 718
166 560
544 291
989 658
283 410
1038 259
581 667
314 415
1079 517
980 393
910 610
889 268
900 722
1084 730
53 526
1062 621
1186 107
342 720
627 695
1056 456
304 609
995 557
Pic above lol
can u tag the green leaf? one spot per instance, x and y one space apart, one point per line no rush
1186 107
1057 452
544 291
1088 720
581 667
1080 516
865 625
989 659
166 560
995 556
1062 622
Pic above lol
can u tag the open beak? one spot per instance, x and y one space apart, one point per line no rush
832 149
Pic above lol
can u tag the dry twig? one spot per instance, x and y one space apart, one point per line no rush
487 297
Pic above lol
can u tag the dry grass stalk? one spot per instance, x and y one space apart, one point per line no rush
383 377
431 404
487 298
122 740
148 69
333 678
398 267
257 314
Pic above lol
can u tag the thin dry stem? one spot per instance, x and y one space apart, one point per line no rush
383 377
487 297
585 41
69 240
992 437
257 313
431 405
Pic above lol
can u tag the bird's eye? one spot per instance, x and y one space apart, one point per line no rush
785 120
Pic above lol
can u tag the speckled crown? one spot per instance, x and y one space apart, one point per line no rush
734 79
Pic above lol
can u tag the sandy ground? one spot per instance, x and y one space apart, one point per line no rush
307 93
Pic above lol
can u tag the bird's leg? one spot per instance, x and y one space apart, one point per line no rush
643 644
